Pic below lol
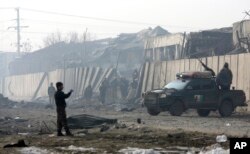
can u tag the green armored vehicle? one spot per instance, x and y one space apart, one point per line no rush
195 90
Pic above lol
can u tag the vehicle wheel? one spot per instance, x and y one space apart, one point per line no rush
153 112
203 112
177 108
226 108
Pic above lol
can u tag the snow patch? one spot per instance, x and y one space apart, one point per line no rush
138 151
74 148
34 150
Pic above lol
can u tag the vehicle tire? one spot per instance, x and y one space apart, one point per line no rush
177 108
203 112
226 108
153 111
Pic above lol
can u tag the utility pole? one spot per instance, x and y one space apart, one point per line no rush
18 29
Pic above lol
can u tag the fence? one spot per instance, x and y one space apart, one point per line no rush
32 86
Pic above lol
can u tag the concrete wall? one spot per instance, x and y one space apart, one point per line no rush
158 74
32 86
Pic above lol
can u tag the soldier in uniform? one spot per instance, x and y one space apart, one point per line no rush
51 93
224 78
60 108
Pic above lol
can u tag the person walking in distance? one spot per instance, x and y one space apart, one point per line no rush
51 93
60 97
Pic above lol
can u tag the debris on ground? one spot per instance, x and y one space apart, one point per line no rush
221 138
120 126
19 119
139 151
139 120
85 121
33 150
6 103
84 131
104 128
76 149
214 149
44 128
20 143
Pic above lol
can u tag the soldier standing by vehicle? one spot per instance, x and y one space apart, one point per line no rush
60 108
51 93
224 78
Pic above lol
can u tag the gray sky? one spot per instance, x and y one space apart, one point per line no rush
173 15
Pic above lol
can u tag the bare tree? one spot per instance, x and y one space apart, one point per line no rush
73 37
53 38
27 47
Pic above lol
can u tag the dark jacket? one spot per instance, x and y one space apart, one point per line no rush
225 77
60 98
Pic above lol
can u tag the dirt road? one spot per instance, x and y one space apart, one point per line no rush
236 125
156 131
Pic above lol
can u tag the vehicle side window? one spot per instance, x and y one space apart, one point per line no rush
194 86
206 85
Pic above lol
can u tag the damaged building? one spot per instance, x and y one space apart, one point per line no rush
241 35
196 44
209 43
167 47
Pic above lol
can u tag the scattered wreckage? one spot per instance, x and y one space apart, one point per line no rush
196 90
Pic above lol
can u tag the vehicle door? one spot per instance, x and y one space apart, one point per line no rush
209 93
192 95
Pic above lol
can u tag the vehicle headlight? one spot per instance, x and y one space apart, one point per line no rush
163 96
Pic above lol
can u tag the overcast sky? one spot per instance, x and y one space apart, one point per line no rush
173 15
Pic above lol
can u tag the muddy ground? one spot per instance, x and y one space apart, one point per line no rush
37 127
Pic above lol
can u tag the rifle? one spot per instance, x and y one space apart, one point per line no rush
206 67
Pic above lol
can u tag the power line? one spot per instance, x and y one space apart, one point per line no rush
67 24
6 8
104 19
5 21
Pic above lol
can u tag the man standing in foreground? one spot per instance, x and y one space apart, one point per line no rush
60 108
224 78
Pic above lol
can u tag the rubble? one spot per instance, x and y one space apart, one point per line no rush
104 128
6 103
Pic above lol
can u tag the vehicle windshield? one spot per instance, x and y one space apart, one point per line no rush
177 85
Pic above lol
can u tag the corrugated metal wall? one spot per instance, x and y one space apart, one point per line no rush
158 74
23 87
